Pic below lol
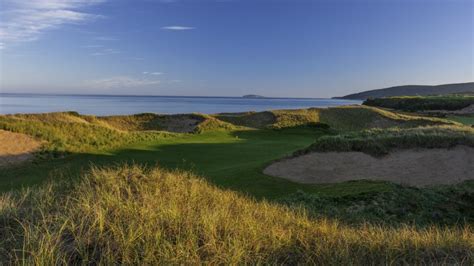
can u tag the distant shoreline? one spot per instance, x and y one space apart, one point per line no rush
160 96
122 104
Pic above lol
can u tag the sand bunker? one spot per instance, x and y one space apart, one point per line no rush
417 167
16 147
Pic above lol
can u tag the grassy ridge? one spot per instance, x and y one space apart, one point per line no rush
345 118
355 118
68 132
276 119
129 215
72 132
423 103
180 123
380 141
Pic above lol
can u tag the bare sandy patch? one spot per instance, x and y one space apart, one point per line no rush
16 147
180 123
415 167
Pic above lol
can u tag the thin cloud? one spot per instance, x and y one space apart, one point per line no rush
120 82
105 38
177 28
107 51
152 73
93 46
27 20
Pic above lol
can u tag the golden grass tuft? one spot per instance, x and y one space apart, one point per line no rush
133 215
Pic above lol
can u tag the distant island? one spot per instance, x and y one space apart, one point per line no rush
253 96
412 90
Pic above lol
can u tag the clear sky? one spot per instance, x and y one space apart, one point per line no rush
233 47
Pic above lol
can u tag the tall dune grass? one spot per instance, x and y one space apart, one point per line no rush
132 215
69 132
381 141
72 132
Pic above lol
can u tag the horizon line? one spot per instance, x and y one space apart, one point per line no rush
167 96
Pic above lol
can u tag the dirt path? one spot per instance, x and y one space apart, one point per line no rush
16 147
418 167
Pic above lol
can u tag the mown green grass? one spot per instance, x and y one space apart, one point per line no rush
423 103
135 216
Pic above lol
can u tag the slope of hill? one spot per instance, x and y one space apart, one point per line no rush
137 216
412 90
464 104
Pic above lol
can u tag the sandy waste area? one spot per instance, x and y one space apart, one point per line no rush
415 167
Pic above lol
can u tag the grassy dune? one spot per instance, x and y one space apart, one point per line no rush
355 118
73 132
381 141
131 215
346 118
423 103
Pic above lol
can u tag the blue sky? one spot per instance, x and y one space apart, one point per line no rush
233 47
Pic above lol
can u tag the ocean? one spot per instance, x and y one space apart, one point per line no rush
11 103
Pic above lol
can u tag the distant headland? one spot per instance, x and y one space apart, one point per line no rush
253 96
412 90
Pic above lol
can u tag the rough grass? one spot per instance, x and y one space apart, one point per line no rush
180 123
380 141
400 205
355 118
345 118
277 119
423 103
129 215
71 132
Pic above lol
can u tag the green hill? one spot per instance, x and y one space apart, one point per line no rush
423 103
413 90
